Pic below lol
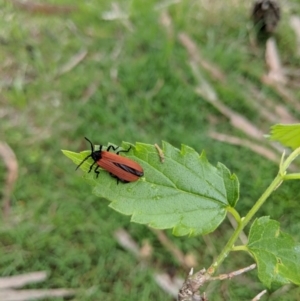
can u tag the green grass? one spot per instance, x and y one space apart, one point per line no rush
144 91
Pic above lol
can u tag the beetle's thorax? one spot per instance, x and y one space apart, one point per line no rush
96 155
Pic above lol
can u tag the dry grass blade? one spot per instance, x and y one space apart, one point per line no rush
276 78
295 24
11 164
171 286
196 57
257 148
271 112
166 21
283 92
28 295
236 119
9 294
90 91
21 280
73 62
126 241
206 90
176 252
276 73
43 8
116 13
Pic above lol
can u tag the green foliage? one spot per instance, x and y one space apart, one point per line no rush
185 192
276 253
189 195
286 134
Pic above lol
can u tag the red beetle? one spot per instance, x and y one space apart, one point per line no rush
121 168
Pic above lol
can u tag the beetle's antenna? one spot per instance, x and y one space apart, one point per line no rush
92 147
92 150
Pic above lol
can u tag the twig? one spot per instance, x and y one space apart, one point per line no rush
190 288
234 274
257 297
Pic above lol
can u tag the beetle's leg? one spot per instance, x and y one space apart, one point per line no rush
114 148
97 171
124 151
91 166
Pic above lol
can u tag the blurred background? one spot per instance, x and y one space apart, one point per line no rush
188 72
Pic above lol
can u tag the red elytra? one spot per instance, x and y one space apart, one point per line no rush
121 168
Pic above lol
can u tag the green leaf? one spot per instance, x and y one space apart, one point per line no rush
275 252
232 185
185 192
286 134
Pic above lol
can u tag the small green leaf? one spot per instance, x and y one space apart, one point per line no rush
185 192
275 252
232 185
286 134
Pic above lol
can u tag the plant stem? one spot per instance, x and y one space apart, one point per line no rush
235 214
290 159
240 248
292 176
244 221
276 182
273 186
